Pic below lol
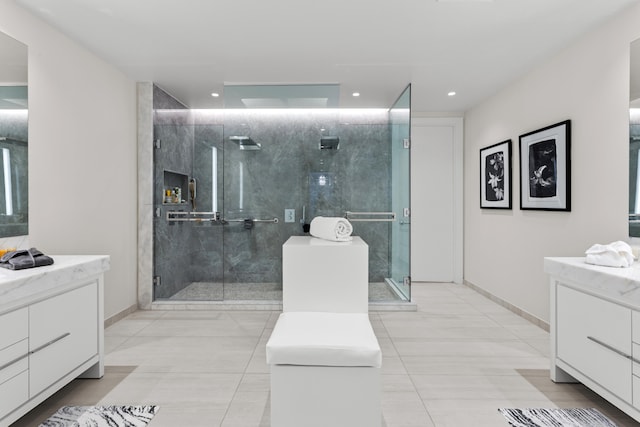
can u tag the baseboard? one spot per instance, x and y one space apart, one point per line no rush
516 310
119 316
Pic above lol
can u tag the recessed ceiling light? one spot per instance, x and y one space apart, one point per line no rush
215 94
356 93
452 93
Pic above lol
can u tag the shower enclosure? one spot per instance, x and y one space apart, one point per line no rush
232 185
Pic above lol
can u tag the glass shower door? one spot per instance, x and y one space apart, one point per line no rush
187 244
254 230
400 122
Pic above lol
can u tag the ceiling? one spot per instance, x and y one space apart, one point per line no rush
192 48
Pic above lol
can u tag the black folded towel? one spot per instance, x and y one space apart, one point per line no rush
24 258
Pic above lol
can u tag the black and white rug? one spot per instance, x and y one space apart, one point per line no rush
537 417
99 416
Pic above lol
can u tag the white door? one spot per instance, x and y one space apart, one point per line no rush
436 194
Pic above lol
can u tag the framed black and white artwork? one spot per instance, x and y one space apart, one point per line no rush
545 168
495 176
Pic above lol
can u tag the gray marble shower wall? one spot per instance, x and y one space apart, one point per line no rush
289 171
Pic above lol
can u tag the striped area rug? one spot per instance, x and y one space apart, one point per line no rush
99 416
536 417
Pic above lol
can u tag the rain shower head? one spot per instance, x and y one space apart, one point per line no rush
245 143
329 143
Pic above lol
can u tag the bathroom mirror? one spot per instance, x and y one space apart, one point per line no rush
14 197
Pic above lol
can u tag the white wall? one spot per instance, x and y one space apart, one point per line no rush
82 153
588 83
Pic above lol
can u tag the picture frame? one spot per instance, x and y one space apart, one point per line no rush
545 168
495 176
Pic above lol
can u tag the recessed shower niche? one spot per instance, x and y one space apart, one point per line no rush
252 164
175 188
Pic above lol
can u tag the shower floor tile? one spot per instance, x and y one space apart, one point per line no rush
216 291
200 291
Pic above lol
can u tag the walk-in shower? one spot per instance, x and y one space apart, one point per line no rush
262 174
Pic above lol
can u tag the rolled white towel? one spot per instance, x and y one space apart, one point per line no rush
331 228
616 254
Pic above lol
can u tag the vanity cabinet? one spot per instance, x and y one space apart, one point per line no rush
63 334
635 328
595 329
594 338
51 331
14 362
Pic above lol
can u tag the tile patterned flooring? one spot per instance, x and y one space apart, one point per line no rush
452 363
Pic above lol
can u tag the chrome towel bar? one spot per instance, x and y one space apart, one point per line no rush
353 216
185 216
271 220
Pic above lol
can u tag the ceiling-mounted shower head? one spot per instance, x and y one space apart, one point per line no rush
329 142
245 143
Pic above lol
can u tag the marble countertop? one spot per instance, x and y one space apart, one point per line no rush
620 285
23 287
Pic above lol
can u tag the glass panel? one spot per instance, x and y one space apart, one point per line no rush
260 182
207 256
187 174
400 122
267 173
362 169
172 168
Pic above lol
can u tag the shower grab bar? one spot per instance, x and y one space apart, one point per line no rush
349 215
272 220
184 216
8 138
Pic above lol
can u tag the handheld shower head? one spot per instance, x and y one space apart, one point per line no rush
192 192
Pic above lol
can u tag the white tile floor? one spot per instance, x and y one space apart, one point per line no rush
452 363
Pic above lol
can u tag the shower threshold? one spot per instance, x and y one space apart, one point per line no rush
263 296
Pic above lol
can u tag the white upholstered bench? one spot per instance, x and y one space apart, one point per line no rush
325 370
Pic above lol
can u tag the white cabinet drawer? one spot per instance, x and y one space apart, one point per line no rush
636 391
594 337
13 393
14 327
635 327
63 334
14 359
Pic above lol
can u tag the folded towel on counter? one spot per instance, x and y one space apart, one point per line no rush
331 228
616 254
24 258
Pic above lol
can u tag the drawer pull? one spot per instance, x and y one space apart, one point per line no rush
607 346
53 341
17 359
